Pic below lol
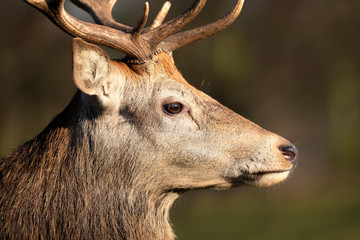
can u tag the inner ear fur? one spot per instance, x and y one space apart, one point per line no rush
91 68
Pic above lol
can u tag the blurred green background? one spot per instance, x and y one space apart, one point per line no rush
291 66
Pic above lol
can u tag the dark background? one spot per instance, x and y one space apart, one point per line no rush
290 66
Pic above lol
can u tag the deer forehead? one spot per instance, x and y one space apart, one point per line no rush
159 75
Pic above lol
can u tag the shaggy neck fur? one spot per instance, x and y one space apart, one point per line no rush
67 184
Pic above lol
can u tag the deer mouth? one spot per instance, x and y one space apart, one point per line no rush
261 179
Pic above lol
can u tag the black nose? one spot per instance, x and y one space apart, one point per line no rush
289 152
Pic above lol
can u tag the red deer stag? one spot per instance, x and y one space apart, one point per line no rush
134 136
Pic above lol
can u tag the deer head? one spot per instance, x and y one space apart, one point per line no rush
136 130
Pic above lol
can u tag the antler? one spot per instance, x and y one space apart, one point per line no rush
138 43
104 35
101 13
184 38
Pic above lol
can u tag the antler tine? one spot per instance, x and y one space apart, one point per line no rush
161 15
101 12
183 38
94 33
155 36
141 24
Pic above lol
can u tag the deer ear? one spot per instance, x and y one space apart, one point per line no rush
91 68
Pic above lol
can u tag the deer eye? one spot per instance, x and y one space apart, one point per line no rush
173 108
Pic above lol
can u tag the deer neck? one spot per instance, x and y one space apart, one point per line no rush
147 216
112 181
88 180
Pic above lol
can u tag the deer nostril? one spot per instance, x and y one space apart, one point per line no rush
289 152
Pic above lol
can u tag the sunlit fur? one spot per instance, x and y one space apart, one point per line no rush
113 162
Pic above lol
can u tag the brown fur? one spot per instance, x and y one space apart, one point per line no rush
57 186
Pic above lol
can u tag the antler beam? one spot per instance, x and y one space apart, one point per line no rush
101 13
90 32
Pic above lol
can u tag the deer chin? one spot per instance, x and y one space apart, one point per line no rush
265 179
261 179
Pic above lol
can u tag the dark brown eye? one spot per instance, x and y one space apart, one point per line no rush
173 108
